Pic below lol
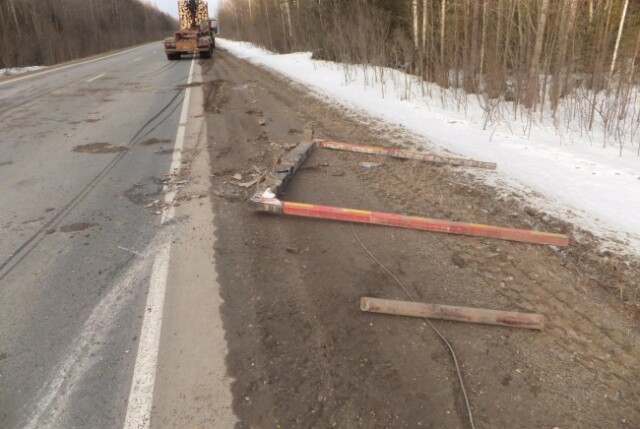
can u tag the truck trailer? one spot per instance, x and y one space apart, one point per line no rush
195 35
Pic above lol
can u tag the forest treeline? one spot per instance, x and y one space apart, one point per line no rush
536 53
44 32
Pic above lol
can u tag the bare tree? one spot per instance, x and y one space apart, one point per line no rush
414 25
534 80
472 69
48 31
517 54
620 28
443 26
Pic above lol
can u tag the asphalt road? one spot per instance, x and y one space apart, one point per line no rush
84 154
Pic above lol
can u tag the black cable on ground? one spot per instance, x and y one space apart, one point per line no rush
442 337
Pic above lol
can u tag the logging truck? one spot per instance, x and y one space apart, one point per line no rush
196 34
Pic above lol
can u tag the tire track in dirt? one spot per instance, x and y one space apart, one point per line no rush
533 291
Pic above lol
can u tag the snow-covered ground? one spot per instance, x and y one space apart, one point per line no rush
19 70
577 179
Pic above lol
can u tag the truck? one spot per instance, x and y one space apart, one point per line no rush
196 34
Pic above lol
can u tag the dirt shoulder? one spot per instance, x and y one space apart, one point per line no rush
301 352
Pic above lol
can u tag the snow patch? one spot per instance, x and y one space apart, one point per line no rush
19 70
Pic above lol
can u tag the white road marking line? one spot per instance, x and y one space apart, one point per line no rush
137 59
176 159
144 373
18 79
95 78
85 349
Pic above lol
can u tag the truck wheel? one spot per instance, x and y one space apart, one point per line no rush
173 57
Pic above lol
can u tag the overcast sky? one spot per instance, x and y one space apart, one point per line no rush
171 6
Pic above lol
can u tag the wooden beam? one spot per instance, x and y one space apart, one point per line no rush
457 314
403 154
421 223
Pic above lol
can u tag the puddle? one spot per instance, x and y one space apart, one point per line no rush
154 140
164 152
100 147
76 227
145 193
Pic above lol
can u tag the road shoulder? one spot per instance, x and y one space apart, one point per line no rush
192 388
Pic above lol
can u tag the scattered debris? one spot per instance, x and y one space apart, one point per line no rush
237 176
228 196
248 184
369 164
146 192
458 314
262 122
77 227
